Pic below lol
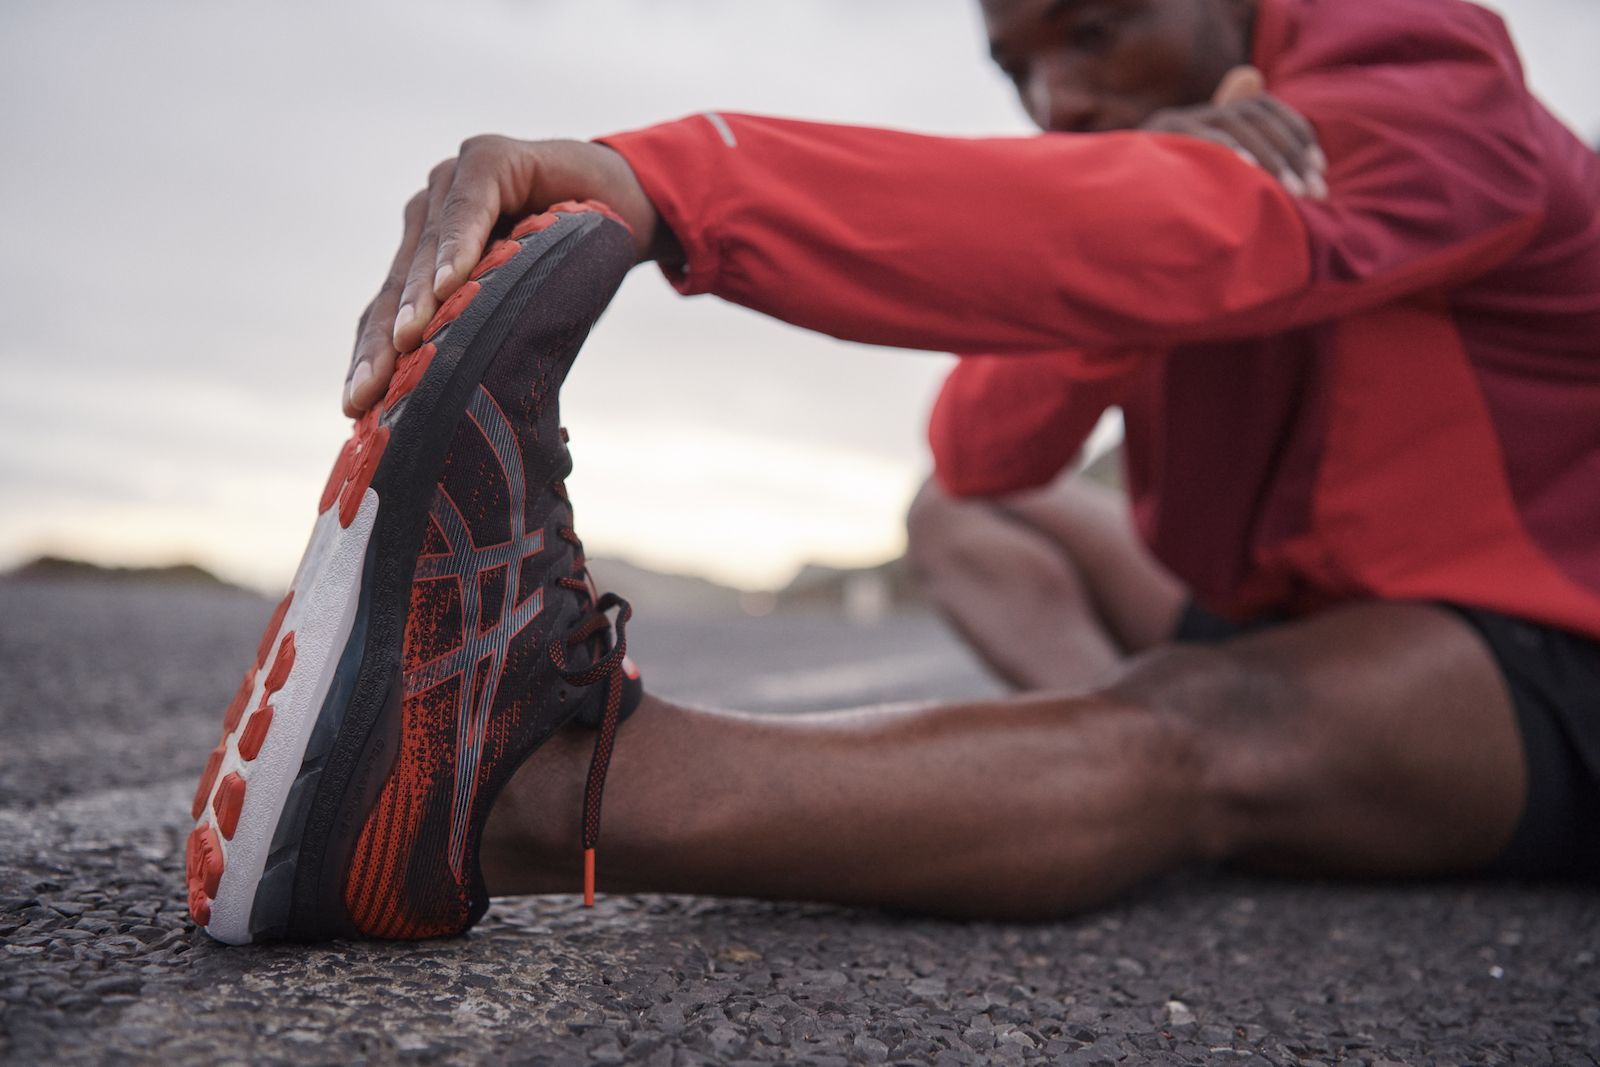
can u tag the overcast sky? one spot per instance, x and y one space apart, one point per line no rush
199 198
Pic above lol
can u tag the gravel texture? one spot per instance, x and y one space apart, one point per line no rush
110 697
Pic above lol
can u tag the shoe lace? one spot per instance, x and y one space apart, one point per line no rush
609 667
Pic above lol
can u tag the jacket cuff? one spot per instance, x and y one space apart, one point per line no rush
680 165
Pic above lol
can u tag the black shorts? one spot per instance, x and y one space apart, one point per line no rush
1554 680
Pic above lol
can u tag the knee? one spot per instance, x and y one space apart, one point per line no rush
939 529
1230 731
961 539
953 542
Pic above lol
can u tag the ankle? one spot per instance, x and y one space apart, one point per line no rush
531 838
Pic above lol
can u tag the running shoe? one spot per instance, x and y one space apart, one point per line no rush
441 626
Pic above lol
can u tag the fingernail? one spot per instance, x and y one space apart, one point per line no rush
359 378
1316 158
441 276
403 319
1292 182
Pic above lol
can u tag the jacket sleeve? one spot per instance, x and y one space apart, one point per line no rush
1015 245
1007 423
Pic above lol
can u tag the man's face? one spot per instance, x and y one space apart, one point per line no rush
1090 65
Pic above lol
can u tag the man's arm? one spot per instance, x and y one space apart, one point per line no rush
1018 245
1004 245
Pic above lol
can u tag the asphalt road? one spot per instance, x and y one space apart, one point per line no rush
110 696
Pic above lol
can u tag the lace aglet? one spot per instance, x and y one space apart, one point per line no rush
588 877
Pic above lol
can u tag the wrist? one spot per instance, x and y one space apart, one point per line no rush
652 240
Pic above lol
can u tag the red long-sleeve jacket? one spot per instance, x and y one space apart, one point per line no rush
1391 394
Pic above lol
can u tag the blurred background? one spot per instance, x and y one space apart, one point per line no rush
199 198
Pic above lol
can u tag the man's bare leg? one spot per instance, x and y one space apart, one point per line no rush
1051 587
1373 740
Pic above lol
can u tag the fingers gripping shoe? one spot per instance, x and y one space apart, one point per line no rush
440 628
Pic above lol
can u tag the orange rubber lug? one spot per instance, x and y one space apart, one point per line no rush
281 666
203 863
337 476
255 732
361 478
199 907
229 803
499 255
210 861
533 224
573 207
412 366
204 871
235 712
452 308
207 778
273 626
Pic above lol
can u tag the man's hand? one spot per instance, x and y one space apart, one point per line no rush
1261 128
448 223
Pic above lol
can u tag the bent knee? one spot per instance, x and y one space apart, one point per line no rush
960 548
944 530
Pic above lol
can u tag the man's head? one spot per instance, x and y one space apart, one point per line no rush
1082 65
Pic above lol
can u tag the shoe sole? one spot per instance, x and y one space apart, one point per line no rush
287 791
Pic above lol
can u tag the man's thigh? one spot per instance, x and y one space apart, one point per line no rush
1374 739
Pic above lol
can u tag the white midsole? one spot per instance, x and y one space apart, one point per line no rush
327 591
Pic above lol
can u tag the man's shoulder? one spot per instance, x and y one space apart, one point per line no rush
1351 35
1438 71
